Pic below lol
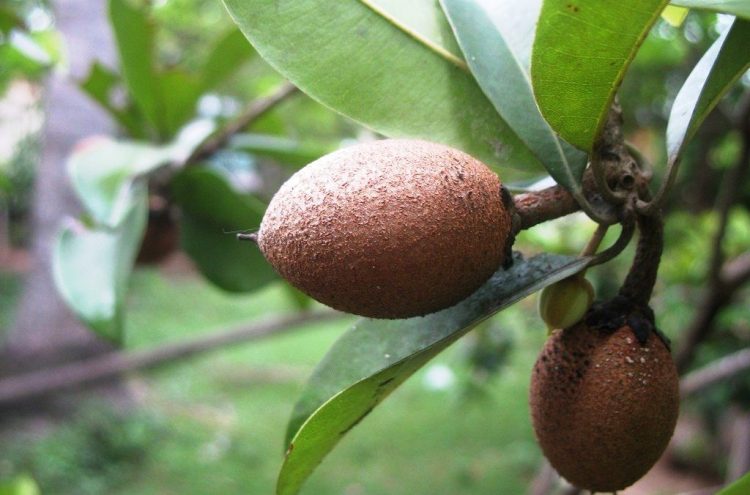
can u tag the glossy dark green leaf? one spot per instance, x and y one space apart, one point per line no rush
502 71
134 36
716 72
282 149
740 8
225 57
91 266
390 65
99 84
580 55
375 356
739 487
212 210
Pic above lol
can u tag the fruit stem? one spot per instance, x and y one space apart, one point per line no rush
628 227
248 237
595 240
533 208
640 281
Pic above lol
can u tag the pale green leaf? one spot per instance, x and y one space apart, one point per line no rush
9 20
674 15
282 149
503 73
102 173
20 485
180 94
225 57
134 36
739 487
740 8
721 66
581 52
91 266
99 84
389 65
376 356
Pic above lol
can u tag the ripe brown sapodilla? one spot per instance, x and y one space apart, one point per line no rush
603 404
388 229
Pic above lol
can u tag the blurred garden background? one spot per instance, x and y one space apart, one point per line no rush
214 421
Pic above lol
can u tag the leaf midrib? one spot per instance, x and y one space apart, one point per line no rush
434 47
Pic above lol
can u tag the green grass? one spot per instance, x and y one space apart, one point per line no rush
215 424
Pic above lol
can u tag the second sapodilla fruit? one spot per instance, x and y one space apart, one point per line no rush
388 229
604 405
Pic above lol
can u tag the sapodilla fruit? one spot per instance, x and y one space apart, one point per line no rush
388 229
603 404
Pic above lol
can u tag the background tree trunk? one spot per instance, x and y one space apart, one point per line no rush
45 332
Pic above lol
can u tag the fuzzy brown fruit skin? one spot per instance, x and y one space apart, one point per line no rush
388 229
603 405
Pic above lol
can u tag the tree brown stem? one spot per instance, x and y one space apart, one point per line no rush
251 114
719 293
715 372
36 384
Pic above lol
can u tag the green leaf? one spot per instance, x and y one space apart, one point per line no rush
20 485
99 84
91 267
212 209
740 8
180 94
721 66
103 171
375 356
134 35
284 150
503 73
389 65
739 487
9 19
675 16
18 63
229 53
580 55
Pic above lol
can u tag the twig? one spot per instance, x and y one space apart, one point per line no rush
715 372
39 383
596 239
719 294
735 273
739 450
628 227
252 113
538 207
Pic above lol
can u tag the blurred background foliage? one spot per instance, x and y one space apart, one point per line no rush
216 423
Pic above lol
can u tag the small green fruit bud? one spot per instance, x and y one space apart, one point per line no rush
564 303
